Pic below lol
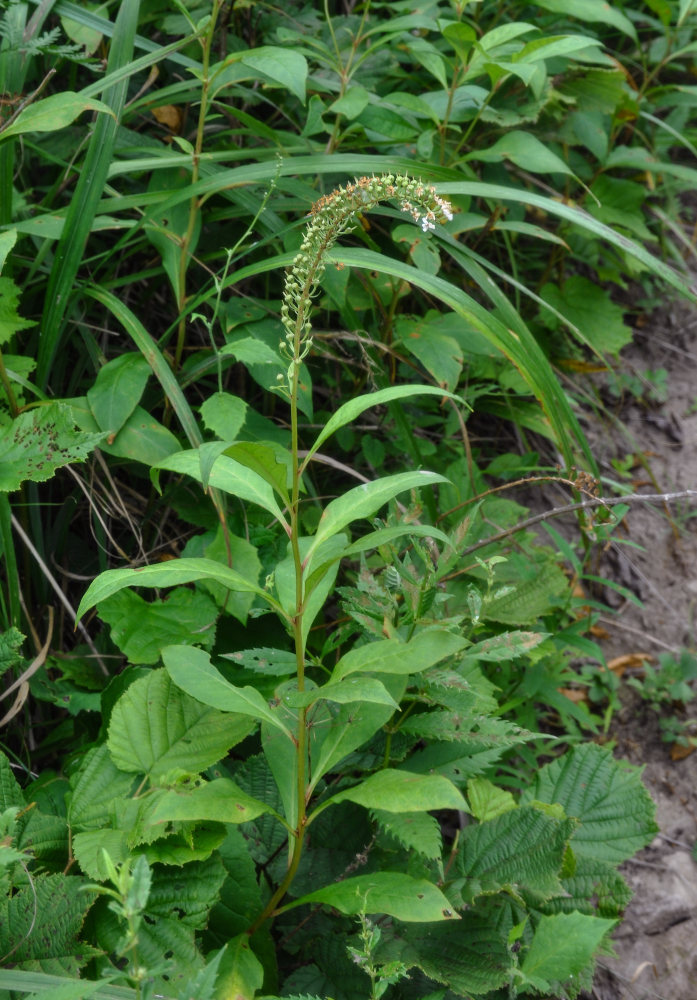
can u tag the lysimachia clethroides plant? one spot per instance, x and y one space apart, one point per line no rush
311 739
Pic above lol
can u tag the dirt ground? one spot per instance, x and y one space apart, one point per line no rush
656 944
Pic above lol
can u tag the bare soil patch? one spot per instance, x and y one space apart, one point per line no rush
657 942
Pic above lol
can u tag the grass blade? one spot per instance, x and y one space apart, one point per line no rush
88 191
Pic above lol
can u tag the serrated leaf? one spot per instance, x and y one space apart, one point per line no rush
43 919
142 629
522 849
88 847
471 957
615 811
392 893
417 831
95 785
38 442
590 310
390 656
224 414
191 669
178 906
10 320
401 791
156 727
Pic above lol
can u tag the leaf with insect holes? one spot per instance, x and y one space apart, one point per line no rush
40 441
397 895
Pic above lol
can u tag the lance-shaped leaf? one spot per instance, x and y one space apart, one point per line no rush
400 791
354 407
390 656
364 500
227 475
401 896
343 692
53 113
220 801
191 670
167 574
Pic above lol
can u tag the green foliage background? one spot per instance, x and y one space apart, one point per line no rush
334 643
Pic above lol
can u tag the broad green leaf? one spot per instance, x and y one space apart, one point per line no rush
229 476
224 414
317 586
486 801
400 791
88 846
281 753
240 973
562 947
526 151
141 439
269 460
263 660
354 407
245 558
97 783
152 354
352 726
471 957
38 442
220 801
397 895
591 311
441 355
53 113
157 728
10 320
117 391
142 629
390 656
593 11
191 670
166 574
615 811
283 66
364 500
